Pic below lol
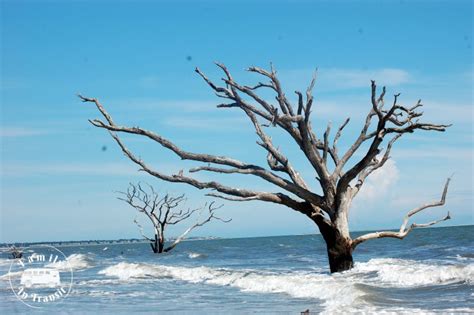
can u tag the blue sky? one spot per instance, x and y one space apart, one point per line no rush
138 58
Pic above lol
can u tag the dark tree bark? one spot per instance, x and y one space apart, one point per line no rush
339 183
339 252
163 212
157 244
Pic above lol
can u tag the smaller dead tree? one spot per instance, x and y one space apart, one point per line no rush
165 211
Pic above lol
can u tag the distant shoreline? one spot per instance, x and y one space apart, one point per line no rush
197 238
98 242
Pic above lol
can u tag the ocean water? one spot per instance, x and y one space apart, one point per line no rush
431 271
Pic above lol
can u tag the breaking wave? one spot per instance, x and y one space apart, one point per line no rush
320 286
339 291
410 273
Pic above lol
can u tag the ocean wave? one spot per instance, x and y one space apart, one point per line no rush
95 293
334 291
337 292
97 282
410 273
74 261
9 275
5 262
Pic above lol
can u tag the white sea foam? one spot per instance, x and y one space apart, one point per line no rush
410 273
463 258
300 285
127 271
74 261
338 292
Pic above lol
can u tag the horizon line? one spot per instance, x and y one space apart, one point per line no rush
214 237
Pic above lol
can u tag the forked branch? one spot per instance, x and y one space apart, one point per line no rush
388 122
298 187
404 230
295 121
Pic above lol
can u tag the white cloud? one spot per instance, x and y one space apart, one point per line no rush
188 106
361 78
118 169
13 132
223 124
378 184
125 168
431 152
340 78
447 112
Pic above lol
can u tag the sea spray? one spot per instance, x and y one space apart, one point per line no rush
74 261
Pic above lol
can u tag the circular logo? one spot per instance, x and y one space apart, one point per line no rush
40 275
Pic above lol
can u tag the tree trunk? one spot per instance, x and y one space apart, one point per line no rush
340 254
161 245
338 246
337 237
158 245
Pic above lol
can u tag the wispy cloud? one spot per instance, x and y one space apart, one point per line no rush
444 153
110 169
448 112
14 132
358 106
152 104
94 169
361 78
222 124
340 78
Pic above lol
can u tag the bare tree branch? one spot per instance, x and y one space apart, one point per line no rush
377 136
303 135
326 143
243 193
403 228
140 227
245 168
336 138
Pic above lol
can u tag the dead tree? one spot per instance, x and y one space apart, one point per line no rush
163 212
340 174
